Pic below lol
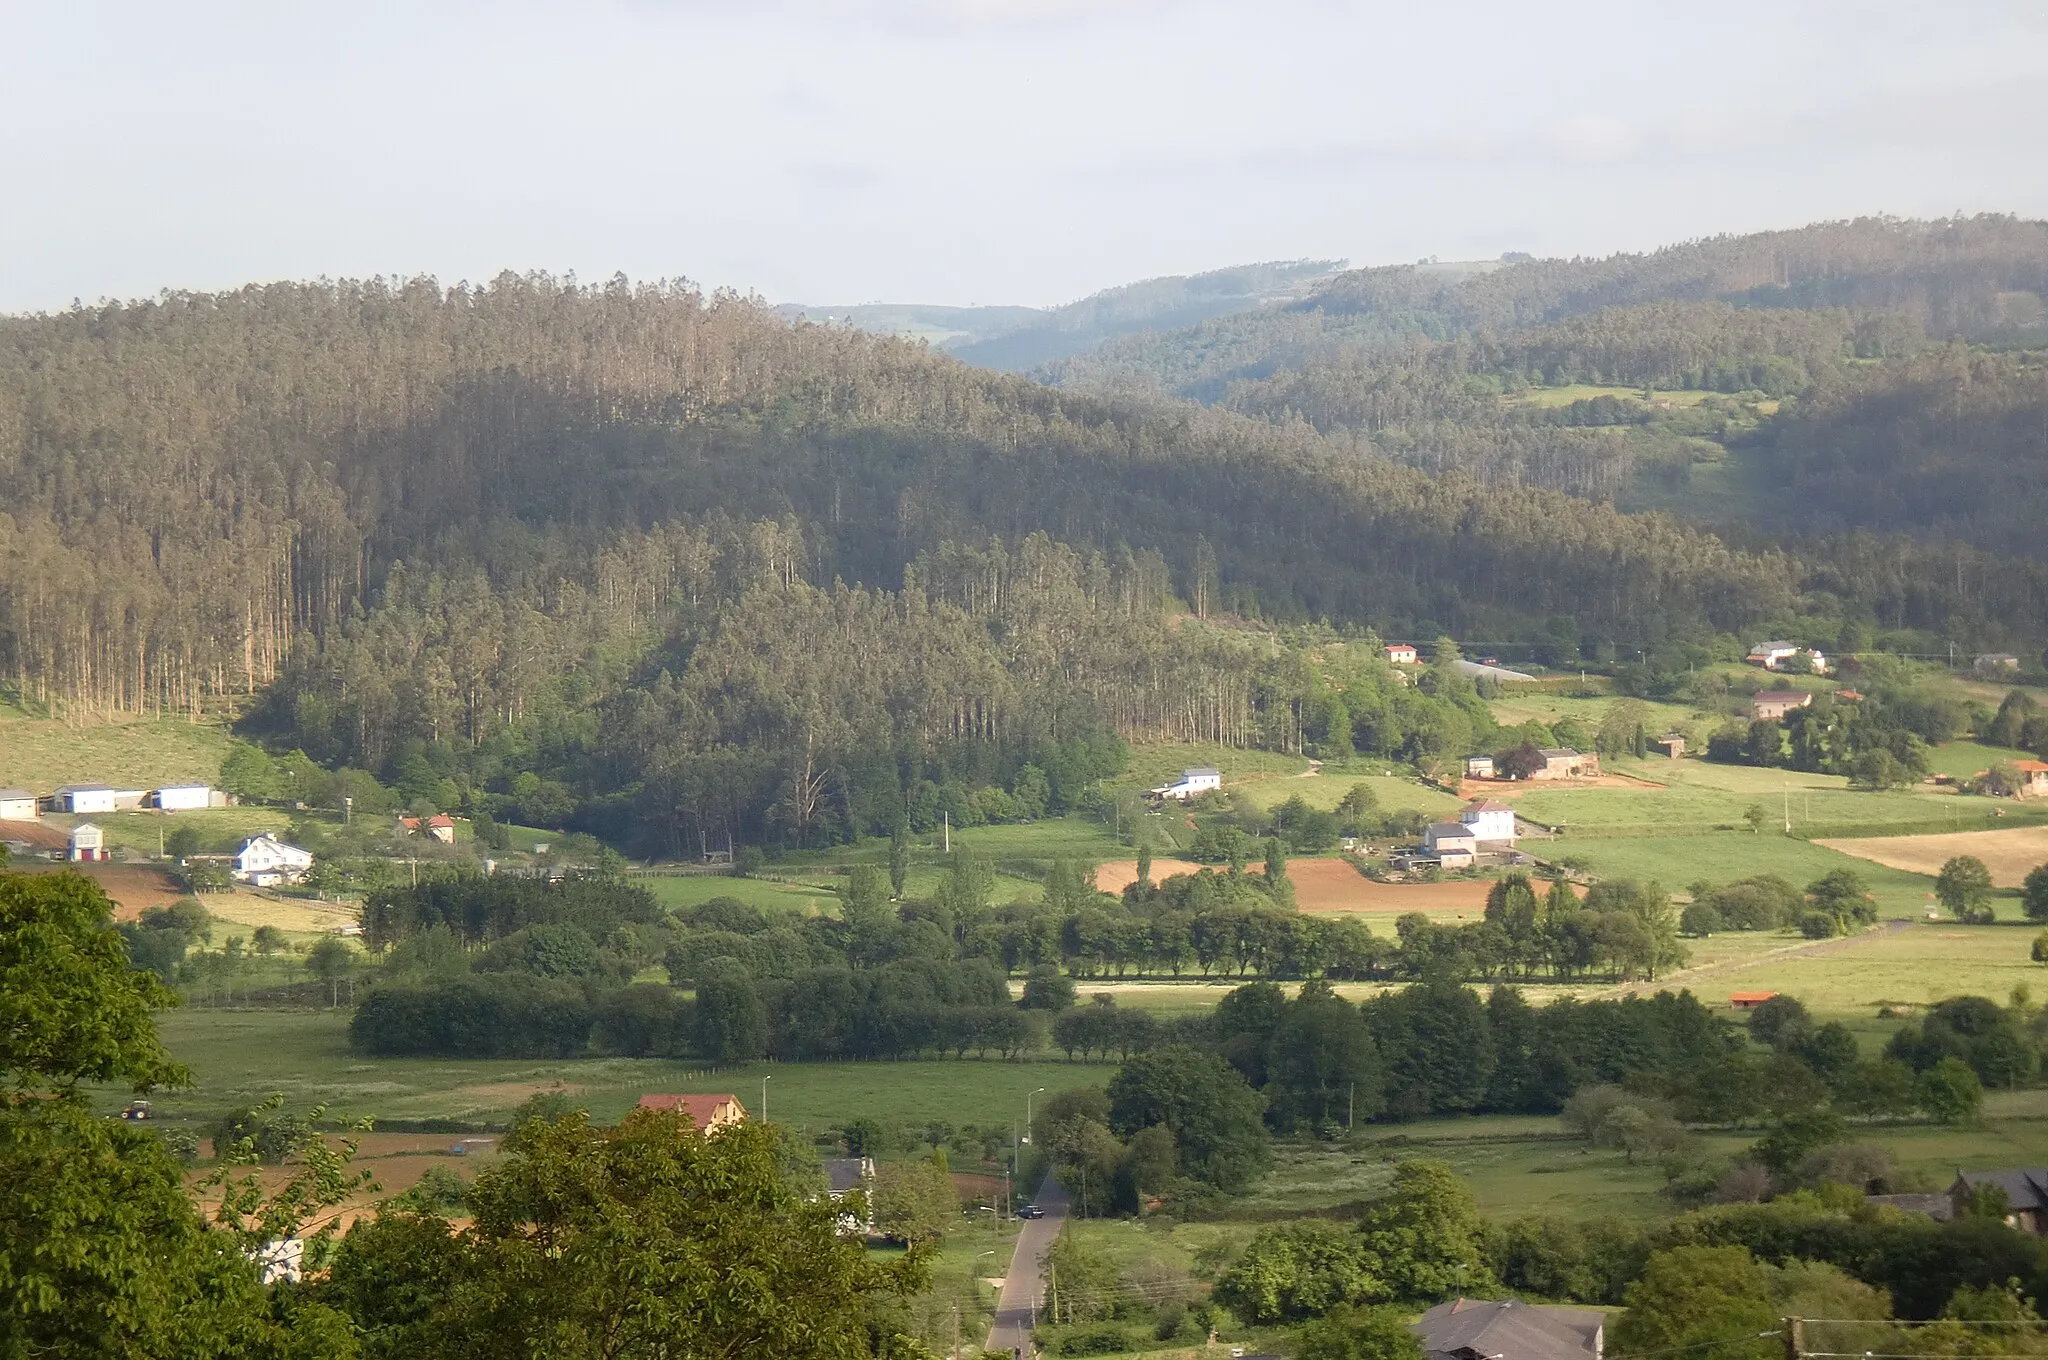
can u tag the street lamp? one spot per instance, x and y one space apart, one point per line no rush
764 1096
1027 1112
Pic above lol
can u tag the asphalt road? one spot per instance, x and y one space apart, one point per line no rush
1024 1282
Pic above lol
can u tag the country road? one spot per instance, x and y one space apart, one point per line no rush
1024 1282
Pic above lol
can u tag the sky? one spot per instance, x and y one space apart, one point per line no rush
972 151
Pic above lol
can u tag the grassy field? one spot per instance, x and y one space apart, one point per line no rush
1565 396
1327 789
1519 706
1157 763
1910 966
1676 861
809 896
221 830
41 754
239 1057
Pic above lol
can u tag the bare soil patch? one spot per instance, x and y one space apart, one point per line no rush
1119 874
133 887
2007 854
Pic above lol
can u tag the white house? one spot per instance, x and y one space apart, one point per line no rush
1773 656
1400 653
184 797
88 843
264 861
1489 822
281 1260
18 805
78 798
1190 783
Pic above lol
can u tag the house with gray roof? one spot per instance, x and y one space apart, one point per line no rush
2025 1190
1508 1329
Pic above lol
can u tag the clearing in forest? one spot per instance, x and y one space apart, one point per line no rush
2007 854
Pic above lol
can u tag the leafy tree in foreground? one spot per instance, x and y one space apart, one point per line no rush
1214 1115
1697 1296
1297 1270
647 1239
1349 1333
101 1249
1425 1238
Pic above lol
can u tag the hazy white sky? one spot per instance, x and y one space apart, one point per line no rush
972 150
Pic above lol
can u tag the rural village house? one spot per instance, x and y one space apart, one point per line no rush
1479 767
1492 824
1452 843
265 861
2025 1190
1773 704
845 1176
1400 653
1508 1329
2033 778
1775 656
1562 762
1190 784
707 1112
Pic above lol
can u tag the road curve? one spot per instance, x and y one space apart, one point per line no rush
1024 1282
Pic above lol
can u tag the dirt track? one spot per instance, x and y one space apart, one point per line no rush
2007 854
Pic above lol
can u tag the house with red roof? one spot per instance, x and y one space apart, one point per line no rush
707 1112
2033 778
1400 653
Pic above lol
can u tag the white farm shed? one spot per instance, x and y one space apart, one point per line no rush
18 805
183 797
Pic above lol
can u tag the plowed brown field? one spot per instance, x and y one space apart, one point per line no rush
2007 854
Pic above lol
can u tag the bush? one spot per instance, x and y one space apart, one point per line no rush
1101 1339
1699 920
497 1016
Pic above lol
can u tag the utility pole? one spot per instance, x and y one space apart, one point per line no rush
946 823
1788 809
1350 1106
764 1096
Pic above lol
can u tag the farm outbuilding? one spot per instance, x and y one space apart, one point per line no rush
18 805
88 844
185 798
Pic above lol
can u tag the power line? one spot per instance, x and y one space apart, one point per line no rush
1695 1346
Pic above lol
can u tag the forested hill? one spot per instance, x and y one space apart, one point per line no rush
1875 374
1981 278
204 492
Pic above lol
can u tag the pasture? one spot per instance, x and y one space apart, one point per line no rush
1328 788
1722 857
42 754
1910 965
1571 392
239 1057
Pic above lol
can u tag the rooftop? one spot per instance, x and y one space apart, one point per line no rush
1489 805
2024 1187
15 793
1509 1328
700 1108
